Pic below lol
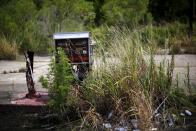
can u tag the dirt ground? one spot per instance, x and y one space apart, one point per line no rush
13 83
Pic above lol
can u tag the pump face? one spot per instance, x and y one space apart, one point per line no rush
77 46
77 50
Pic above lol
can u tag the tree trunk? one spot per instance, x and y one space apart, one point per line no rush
191 18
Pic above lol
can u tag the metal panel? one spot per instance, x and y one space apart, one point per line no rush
71 35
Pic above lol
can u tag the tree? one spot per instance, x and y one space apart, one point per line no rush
98 5
126 12
169 10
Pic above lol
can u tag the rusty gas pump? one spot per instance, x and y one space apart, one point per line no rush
78 48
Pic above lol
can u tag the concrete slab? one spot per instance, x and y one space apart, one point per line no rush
13 84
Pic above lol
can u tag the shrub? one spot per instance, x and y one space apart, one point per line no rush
8 49
59 81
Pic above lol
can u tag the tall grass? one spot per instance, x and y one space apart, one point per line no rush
126 83
8 49
174 35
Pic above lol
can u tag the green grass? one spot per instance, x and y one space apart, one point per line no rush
128 83
173 36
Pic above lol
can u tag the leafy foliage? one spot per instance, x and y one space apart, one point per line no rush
169 10
124 12
59 81
31 23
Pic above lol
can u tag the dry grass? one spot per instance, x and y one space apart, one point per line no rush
127 84
8 50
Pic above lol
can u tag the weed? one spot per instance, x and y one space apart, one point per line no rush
127 82
23 69
187 83
8 50
59 82
13 71
5 72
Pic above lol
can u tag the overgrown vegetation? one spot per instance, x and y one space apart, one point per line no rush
8 50
31 23
172 36
124 85
128 85
59 82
